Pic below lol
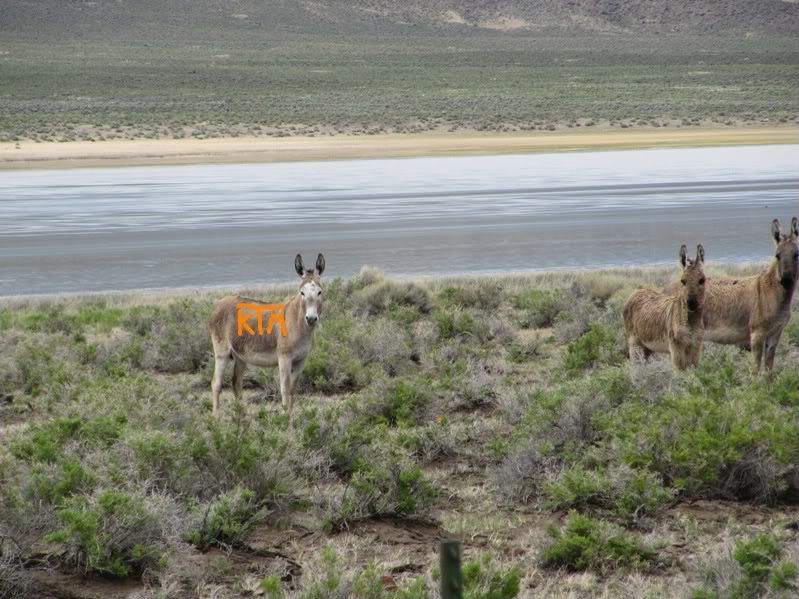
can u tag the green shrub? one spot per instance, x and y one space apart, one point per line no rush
141 320
388 487
524 352
41 370
588 544
620 490
255 454
332 580
480 295
177 339
759 571
69 478
45 442
597 346
382 296
333 366
383 342
98 316
484 579
272 587
452 324
109 532
732 441
402 402
15 580
226 519
540 307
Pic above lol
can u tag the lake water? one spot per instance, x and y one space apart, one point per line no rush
175 226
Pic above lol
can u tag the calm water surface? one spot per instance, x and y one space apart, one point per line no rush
152 227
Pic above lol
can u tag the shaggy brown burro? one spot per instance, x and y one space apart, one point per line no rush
755 309
669 321
248 331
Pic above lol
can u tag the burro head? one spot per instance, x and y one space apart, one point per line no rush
787 254
311 289
693 277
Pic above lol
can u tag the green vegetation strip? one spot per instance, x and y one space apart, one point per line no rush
111 463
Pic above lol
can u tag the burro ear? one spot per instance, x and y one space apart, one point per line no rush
775 231
795 228
320 264
298 265
683 256
700 254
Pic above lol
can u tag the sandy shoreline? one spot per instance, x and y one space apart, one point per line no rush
82 154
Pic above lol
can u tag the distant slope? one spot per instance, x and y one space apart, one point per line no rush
104 17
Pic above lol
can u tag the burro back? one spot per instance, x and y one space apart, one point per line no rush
248 331
670 321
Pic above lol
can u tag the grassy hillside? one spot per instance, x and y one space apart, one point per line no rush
500 411
279 84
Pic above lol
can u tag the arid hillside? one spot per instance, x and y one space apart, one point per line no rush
104 17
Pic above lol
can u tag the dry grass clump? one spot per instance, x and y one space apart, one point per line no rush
15 581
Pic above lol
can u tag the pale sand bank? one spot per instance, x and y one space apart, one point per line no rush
255 150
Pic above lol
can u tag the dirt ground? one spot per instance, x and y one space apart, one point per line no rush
28 154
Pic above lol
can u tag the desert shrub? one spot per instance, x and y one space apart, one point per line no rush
521 352
45 441
483 578
539 307
717 438
382 487
472 387
382 296
588 544
43 370
46 319
109 532
610 442
177 339
602 286
142 320
791 331
402 402
580 313
226 519
332 579
597 346
15 581
384 342
460 324
620 490
241 452
98 316
755 568
333 365
164 458
7 319
480 295
55 482
368 275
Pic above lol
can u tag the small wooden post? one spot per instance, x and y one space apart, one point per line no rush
451 575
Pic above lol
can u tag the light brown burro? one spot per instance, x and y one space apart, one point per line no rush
754 310
231 341
669 321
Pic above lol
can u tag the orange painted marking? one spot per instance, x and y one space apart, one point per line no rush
276 316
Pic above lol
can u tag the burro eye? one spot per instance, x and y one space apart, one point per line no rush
320 293
702 281
683 281
302 293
